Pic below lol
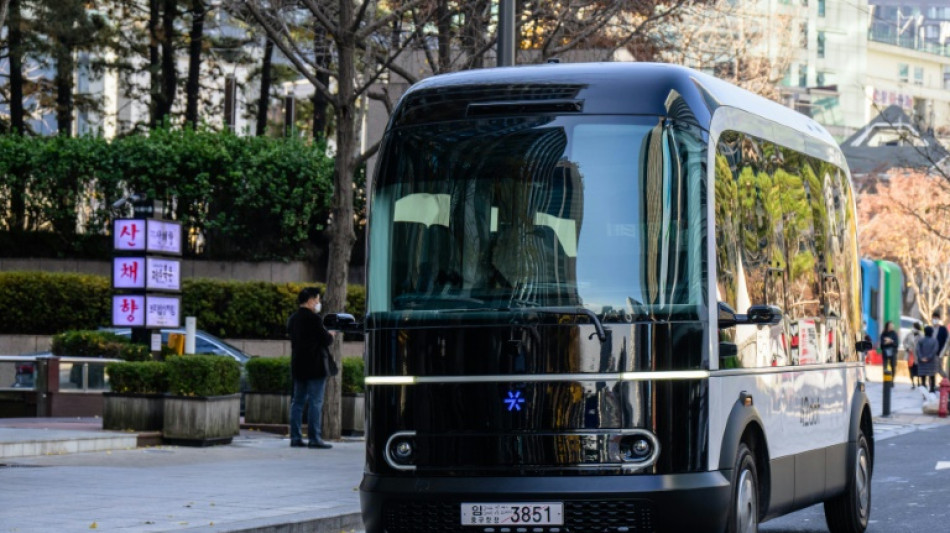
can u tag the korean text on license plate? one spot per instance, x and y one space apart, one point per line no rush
531 513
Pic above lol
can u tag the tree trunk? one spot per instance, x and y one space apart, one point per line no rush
342 234
263 104
322 60
64 89
444 24
15 33
154 64
194 62
169 75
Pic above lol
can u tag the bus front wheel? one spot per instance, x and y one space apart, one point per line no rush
848 512
744 511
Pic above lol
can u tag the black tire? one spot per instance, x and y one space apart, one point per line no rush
744 506
849 511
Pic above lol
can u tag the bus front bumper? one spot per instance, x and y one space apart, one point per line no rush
674 502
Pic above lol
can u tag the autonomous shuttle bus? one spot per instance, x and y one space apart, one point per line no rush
610 298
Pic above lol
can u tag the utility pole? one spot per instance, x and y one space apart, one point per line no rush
506 33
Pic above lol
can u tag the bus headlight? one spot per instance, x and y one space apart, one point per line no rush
640 449
401 450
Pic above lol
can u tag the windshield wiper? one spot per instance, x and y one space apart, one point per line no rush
576 311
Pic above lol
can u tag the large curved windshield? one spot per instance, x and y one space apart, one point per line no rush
599 212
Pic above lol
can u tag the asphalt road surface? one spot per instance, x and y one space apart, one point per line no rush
910 488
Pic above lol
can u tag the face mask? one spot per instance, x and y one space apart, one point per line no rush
318 307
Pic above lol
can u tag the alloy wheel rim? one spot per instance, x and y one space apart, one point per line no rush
862 486
746 502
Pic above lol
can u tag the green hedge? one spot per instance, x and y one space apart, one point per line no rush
203 375
269 374
87 343
138 377
353 375
250 197
40 303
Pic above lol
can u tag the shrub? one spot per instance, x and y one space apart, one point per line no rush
203 375
40 303
85 343
138 377
352 379
269 374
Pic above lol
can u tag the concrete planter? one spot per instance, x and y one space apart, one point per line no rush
352 412
201 420
134 412
266 408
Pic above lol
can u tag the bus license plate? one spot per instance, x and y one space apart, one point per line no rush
534 513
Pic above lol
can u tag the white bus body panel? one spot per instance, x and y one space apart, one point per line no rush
803 408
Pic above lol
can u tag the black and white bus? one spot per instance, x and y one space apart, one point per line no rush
610 298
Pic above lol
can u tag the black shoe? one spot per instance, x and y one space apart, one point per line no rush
297 444
319 444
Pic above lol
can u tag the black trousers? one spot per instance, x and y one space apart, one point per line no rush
933 382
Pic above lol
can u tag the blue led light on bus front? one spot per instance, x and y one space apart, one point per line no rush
514 400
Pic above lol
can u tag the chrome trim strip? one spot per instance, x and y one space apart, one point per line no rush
666 375
782 369
634 466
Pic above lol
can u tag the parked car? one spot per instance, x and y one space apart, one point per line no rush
205 343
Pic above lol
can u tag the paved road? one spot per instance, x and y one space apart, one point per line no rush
908 492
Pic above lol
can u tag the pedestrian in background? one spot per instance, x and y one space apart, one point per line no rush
309 367
927 362
910 346
941 334
889 344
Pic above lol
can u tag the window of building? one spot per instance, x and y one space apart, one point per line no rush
820 79
903 71
804 34
918 75
821 44
803 75
946 77
821 8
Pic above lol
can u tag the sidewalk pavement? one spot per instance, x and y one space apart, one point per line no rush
53 479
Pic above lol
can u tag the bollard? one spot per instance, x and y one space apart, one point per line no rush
888 385
944 396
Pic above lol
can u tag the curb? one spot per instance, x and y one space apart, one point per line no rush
345 523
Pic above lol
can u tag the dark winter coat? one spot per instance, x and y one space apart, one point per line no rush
309 340
892 346
927 361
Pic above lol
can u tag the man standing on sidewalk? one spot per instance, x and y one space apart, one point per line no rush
309 340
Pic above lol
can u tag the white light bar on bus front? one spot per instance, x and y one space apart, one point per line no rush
390 380
664 375
669 375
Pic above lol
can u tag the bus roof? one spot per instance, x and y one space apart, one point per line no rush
601 88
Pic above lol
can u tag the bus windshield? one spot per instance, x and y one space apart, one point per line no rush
603 213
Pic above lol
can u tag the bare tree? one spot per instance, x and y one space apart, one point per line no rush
735 41
900 220
361 52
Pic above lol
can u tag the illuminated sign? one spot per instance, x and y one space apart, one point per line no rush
164 237
128 311
162 312
129 234
163 274
128 272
